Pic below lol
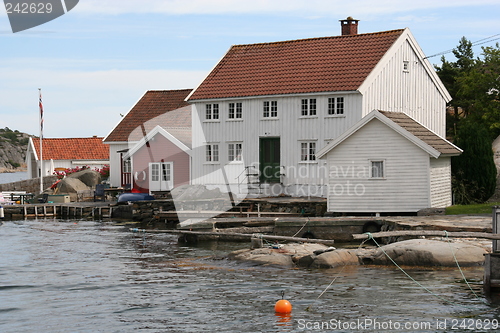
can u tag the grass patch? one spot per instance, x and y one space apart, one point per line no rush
485 208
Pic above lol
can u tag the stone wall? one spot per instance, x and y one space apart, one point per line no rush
29 185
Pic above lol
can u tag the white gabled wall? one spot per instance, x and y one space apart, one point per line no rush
440 182
115 162
414 91
405 187
290 127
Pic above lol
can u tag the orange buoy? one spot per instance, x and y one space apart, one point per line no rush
283 306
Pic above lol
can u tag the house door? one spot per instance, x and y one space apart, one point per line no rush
161 176
270 160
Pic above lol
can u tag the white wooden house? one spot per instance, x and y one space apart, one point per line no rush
266 109
387 163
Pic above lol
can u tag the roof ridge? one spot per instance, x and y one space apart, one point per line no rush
320 38
170 90
78 138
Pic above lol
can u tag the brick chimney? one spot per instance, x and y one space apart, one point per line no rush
349 26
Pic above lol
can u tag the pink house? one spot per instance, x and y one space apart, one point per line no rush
161 160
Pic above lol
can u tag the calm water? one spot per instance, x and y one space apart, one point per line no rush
10 177
67 276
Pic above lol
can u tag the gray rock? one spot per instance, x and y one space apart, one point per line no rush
89 177
71 185
426 252
263 256
336 258
193 192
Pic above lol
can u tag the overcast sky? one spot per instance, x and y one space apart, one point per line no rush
96 61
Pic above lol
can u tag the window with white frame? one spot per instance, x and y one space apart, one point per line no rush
155 172
212 152
235 111
270 109
377 169
308 107
336 106
406 66
308 151
234 151
211 111
127 165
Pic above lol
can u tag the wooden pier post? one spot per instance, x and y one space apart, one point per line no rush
492 260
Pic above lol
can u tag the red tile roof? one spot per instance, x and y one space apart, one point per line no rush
72 149
154 103
325 64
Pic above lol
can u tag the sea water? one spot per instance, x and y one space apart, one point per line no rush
10 177
86 276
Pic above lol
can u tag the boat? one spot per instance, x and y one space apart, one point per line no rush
131 197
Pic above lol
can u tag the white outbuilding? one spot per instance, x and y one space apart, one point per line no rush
388 163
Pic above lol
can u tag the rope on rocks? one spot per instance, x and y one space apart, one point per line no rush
370 237
334 279
460 269
301 228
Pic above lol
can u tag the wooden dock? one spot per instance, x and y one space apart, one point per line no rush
58 210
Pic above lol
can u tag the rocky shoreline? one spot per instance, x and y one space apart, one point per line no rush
413 252
9 170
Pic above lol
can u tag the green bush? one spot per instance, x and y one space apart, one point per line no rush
474 172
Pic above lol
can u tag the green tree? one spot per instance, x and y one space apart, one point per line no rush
474 172
452 75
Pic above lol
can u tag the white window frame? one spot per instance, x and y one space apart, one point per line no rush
212 153
406 66
308 107
336 106
127 165
377 169
212 112
235 111
308 150
270 110
234 151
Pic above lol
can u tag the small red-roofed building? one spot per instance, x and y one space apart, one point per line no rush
161 160
153 138
64 153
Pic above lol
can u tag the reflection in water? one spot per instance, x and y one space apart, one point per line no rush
58 276
284 319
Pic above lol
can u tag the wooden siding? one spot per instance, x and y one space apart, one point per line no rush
114 162
290 127
160 150
412 92
440 182
405 187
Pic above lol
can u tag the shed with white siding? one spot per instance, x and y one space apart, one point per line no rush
388 162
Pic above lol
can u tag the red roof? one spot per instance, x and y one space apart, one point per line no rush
325 64
154 103
72 149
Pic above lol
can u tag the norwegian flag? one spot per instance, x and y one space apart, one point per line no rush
41 112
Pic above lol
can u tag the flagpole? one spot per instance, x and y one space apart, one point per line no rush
41 137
